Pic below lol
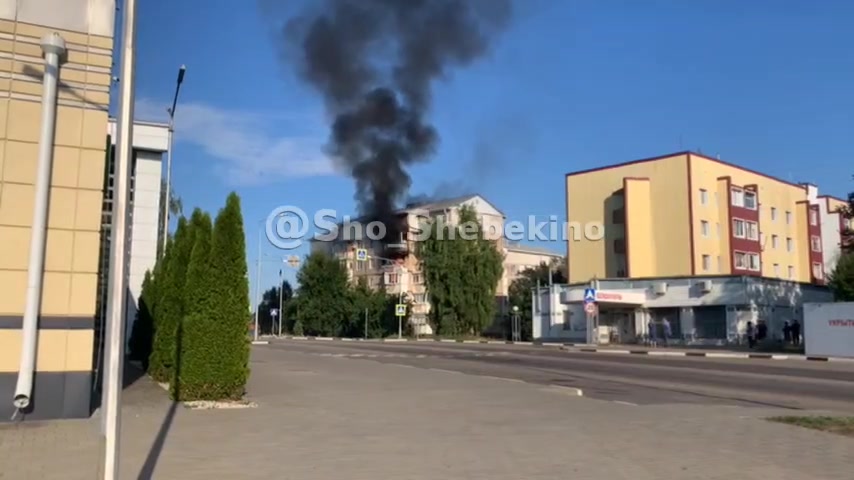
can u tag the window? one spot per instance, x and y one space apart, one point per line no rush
817 271
392 278
619 245
791 272
773 214
745 229
704 196
777 270
737 197
418 279
789 244
774 241
707 263
750 200
420 298
747 261
704 227
813 217
618 217
788 218
815 243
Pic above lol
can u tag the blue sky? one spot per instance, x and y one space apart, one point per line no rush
573 84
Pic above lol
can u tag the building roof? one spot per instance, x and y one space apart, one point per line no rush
533 250
442 204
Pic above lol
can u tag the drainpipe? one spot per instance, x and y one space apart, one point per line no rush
53 47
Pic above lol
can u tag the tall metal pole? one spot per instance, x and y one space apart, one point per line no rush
257 284
117 285
168 196
280 315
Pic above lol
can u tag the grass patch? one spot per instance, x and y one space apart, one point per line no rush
839 425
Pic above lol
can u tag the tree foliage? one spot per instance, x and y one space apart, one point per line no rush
267 323
842 279
322 300
171 303
142 333
847 213
462 269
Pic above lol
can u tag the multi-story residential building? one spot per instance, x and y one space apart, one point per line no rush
704 244
395 266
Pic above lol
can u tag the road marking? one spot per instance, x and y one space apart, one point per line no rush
553 345
726 355
666 354
445 371
568 390
514 380
626 403
421 356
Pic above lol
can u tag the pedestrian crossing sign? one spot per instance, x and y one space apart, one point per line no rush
400 309
361 254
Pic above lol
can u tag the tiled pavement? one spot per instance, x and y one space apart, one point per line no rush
347 418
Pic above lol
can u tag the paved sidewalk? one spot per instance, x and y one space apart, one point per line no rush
352 419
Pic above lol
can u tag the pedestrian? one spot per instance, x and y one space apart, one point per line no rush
796 333
787 333
751 335
651 331
667 332
761 331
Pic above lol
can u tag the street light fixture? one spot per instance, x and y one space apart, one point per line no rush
168 196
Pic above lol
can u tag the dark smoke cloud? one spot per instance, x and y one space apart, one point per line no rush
374 62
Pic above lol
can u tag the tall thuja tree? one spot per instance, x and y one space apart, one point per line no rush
323 300
462 268
170 307
195 355
226 318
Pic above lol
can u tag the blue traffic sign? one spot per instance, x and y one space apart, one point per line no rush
361 254
589 295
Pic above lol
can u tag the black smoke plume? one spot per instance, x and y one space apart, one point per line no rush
374 62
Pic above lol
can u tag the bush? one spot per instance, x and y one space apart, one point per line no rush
842 279
211 368
142 333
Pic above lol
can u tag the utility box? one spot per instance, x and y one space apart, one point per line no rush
829 329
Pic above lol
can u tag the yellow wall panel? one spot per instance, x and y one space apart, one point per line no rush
26 87
84 290
94 129
66 167
16 204
59 250
78 357
61 211
13 284
640 237
7 26
92 165
28 49
7 45
97 60
88 215
87 247
97 78
20 162
15 250
69 121
77 57
101 42
55 292
25 121
72 75
4 113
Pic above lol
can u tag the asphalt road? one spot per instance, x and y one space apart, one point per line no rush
628 379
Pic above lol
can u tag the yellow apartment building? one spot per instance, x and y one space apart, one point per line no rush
80 32
694 247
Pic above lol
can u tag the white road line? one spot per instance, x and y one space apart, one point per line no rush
626 403
569 390
666 354
513 380
619 352
448 340
421 356
445 371
726 355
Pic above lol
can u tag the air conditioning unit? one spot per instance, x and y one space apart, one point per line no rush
660 288
705 286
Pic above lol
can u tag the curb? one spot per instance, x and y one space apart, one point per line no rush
577 347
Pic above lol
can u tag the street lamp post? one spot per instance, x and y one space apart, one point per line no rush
167 197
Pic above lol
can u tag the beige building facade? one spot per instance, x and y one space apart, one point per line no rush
62 382
397 268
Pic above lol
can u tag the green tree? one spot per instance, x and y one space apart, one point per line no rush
322 302
379 308
267 324
462 269
842 279
176 209
847 213
197 294
170 308
213 338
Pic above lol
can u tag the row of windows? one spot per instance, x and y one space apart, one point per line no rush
752 262
747 199
750 230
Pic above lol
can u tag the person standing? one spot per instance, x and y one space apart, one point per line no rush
787 333
796 333
667 332
751 335
650 326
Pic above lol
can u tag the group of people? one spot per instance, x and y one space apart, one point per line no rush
666 331
757 333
